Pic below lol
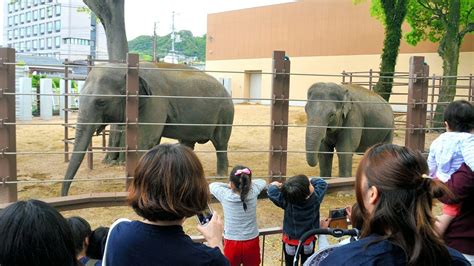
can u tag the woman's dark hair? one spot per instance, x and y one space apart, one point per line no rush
296 189
241 177
34 233
402 213
169 184
357 219
97 240
460 116
80 229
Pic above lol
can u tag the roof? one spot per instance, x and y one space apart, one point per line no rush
32 60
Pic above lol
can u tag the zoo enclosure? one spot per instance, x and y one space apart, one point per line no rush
417 80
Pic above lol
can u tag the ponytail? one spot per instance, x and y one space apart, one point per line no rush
241 177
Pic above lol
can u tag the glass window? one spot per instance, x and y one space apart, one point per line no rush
41 28
35 30
28 31
17 5
22 46
28 3
50 42
41 43
22 18
35 2
16 33
34 44
22 32
35 14
58 9
10 34
50 27
28 45
10 21
17 19
42 13
49 11
10 8
42 1
28 16
57 41
57 25
22 4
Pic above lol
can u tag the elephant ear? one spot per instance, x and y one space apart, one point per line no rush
347 104
144 89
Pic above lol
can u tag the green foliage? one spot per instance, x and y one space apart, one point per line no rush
189 46
35 80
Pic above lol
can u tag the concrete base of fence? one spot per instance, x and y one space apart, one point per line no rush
46 102
24 102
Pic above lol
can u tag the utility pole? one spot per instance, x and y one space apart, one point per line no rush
173 36
154 42
93 37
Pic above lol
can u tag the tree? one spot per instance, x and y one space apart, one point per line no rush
446 22
392 14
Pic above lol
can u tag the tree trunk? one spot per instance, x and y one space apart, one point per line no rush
112 16
449 52
395 12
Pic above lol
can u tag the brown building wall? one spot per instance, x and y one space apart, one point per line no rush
303 28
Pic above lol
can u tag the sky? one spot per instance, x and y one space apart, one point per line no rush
140 15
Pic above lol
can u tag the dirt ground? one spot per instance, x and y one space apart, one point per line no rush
45 167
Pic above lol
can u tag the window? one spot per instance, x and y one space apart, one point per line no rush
22 32
57 25
17 5
57 41
35 30
17 19
22 4
28 31
35 14
34 44
10 8
10 34
58 9
28 3
41 44
16 33
49 11
50 27
42 13
41 28
22 18
28 16
28 45
22 46
10 21
35 2
50 42
42 1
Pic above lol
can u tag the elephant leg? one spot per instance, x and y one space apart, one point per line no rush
116 140
325 159
345 164
186 143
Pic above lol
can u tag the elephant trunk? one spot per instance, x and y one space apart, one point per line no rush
82 140
314 136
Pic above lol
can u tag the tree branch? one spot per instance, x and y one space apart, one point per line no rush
469 28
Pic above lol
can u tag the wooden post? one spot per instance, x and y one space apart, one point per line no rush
370 79
471 89
417 103
8 171
90 155
66 110
279 116
131 111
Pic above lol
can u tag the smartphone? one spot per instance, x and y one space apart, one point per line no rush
338 218
205 216
338 213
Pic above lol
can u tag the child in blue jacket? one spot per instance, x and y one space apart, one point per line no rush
300 197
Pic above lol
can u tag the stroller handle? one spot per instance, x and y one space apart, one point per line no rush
336 232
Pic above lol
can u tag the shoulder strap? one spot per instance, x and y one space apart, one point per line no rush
104 263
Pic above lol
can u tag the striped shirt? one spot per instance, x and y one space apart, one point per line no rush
448 152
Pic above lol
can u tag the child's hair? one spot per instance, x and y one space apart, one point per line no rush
241 177
80 229
296 189
357 219
96 247
460 116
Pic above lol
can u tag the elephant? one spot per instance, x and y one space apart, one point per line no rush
155 79
335 117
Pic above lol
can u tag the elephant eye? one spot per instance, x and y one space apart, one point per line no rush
100 103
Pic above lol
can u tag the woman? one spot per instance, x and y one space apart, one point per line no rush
34 233
169 186
396 200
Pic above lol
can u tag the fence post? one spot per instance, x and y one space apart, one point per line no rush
471 89
66 110
370 79
417 103
80 85
131 123
279 116
433 80
343 77
8 171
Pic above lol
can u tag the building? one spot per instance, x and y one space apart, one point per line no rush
53 28
319 36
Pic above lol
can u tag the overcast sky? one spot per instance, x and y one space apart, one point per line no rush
190 14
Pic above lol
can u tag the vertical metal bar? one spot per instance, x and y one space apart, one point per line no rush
131 123
66 110
263 249
433 80
471 89
90 154
417 97
370 79
8 171
279 116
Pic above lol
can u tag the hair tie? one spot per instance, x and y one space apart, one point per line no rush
425 176
240 171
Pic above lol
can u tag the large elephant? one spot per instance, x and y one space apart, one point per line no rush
340 118
166 81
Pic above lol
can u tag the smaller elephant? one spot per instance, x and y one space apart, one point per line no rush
339 118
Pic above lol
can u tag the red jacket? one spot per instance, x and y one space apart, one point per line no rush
460 232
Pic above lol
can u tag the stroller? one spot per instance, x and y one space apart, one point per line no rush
321 254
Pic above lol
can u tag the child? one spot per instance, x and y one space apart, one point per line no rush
300 197
450 150
81 230
239 201
95 249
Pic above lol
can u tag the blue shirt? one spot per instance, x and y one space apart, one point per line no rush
379 253
136 243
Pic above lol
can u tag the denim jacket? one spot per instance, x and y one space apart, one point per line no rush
300 218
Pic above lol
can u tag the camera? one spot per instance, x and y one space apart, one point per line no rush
205 216
338 218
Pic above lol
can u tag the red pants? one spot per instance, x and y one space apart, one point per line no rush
245 252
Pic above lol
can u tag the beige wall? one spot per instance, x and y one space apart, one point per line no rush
321 65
